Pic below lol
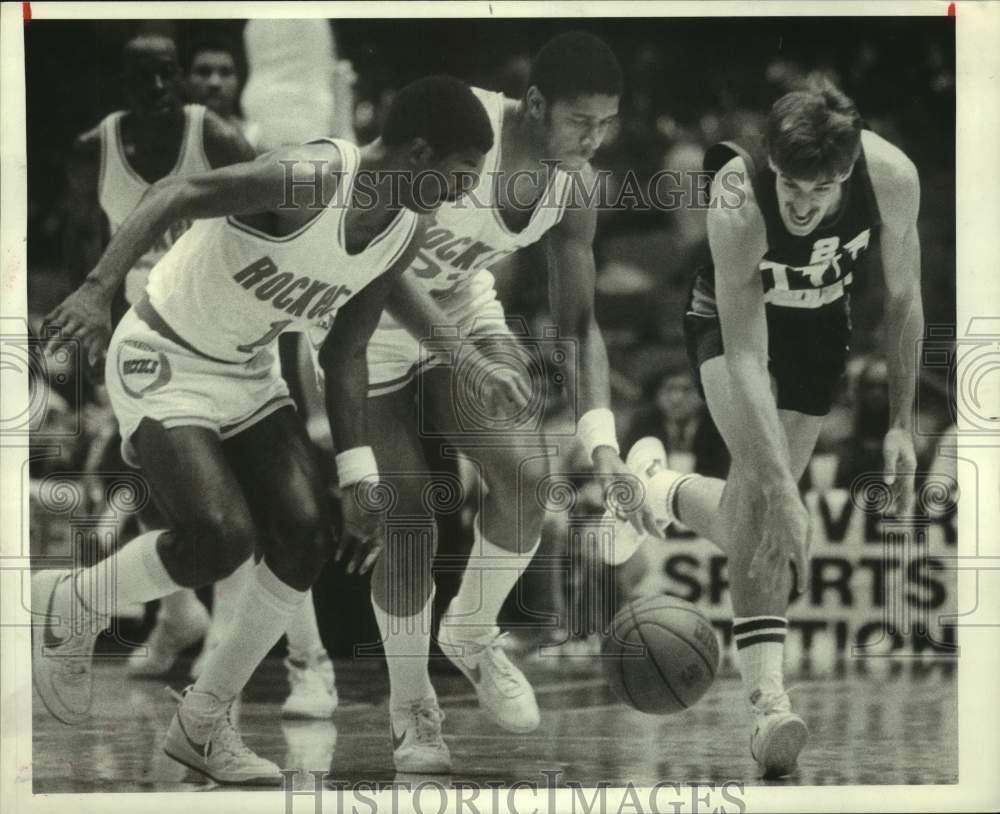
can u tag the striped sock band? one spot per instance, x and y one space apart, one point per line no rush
752 630
760 652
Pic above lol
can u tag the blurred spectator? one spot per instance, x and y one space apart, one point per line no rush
214 76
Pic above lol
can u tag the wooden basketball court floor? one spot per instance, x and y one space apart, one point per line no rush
871 723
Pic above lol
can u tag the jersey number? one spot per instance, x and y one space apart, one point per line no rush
268 338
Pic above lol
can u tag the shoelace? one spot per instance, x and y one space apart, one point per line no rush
428 720
502 668
226 736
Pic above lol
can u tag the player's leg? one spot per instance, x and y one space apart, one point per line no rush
403 586
286 502
507 532
210 533
225 592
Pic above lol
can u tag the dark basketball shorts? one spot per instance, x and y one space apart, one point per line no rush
807 348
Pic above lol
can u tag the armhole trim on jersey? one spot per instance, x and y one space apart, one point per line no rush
403 244
250 230
105 136
197 123
869 188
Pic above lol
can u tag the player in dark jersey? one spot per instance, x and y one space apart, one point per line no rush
768 333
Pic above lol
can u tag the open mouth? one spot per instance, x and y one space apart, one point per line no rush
803 220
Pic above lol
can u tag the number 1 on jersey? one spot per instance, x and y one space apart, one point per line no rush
276 328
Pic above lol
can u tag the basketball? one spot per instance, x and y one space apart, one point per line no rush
662 655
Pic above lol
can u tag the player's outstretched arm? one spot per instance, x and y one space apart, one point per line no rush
411 305
250 187
343 358
897 189
738 240
572 276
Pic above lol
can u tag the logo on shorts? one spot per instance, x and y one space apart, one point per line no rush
141 368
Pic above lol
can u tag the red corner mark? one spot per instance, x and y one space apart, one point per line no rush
26 11
951 9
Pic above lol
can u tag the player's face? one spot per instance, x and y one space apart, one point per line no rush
576 128
445 180
214 82
804 204
152 85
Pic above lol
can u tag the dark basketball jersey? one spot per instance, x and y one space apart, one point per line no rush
814 271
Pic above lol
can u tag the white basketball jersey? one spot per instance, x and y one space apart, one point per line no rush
468 235
229 290
120 187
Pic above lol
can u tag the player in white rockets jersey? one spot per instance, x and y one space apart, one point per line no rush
538 165
213 78
204 412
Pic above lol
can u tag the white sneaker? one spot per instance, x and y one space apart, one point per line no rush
418 747
204 737
314 690
503 690
168 639
63 647
778 736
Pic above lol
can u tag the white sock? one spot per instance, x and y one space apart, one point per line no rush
225 595
133 574
263 610
304 642
406 640
490 576
760 651
180 609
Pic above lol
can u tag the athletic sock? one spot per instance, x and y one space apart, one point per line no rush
133 574
490 576
263 610
225 595
304 642
181 609
406 640
760 650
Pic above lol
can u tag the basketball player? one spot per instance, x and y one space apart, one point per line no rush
213 78
768 332
204 411
111 168
522 198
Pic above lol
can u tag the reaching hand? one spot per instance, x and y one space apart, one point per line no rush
786 538
85 315
900 462
621 486
363 535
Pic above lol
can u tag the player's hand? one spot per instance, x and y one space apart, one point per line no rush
364 527
624 494
504 391
786 539
900 461
84 316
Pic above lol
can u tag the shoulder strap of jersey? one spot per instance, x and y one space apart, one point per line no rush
863 181
110 152
195 154
761 178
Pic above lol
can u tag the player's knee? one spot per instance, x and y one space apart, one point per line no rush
306 537
220 541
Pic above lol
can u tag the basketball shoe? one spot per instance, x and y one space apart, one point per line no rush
203 736
63 646
168 639
418 747
313 688
502 689
777 737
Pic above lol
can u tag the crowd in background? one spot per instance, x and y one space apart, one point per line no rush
689 83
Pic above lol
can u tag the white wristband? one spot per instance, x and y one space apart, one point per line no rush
596 428
355 464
